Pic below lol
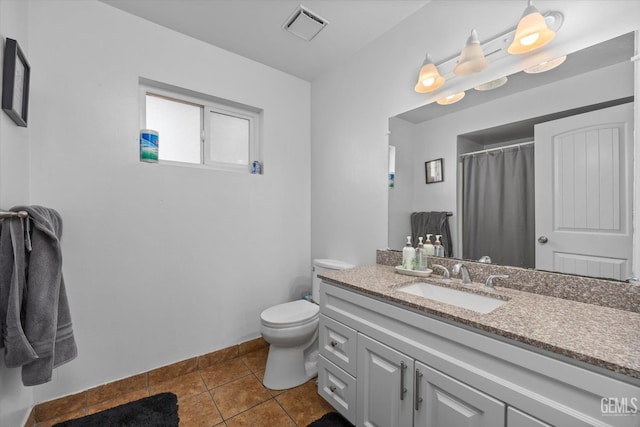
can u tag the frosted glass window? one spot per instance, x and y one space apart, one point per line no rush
179 128
200 129
228 139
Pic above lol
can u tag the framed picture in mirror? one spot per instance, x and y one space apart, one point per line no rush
434 171
15 83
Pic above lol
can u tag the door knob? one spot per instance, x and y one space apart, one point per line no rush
542 239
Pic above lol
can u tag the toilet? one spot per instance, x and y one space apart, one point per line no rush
291 329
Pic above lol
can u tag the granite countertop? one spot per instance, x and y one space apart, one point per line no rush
605 337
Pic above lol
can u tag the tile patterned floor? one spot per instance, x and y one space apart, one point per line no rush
223 394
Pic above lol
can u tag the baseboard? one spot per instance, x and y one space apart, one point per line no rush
49 409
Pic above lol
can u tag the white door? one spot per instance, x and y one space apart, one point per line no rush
583 192
384 386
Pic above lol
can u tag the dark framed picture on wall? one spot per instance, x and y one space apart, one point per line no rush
15 83
434 171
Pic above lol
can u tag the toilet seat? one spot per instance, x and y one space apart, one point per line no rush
290 314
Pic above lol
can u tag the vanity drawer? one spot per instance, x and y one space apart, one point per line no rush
338 388
338 344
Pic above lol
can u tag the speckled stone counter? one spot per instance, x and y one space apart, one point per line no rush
607 293
601 336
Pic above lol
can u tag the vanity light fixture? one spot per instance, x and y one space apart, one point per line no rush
493 84
451 99
532 32
472 58
545 66
429 79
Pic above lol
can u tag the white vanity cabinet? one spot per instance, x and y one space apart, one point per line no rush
519 419
384 365
394 390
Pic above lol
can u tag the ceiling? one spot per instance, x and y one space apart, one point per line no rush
254 28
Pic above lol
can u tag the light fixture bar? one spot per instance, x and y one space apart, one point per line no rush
496 48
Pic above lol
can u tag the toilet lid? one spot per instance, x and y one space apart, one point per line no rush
289 314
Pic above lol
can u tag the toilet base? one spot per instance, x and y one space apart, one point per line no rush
289 367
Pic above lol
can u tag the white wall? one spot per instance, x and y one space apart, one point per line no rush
402 136
351 106
14 140
162 263
15 400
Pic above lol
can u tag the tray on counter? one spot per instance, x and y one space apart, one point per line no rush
419 273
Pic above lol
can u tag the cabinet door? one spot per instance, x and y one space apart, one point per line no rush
516 418
443 401
385 386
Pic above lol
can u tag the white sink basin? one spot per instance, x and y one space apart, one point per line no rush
475 302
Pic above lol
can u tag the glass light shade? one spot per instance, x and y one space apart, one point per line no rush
472 58
532 32
451 99
493 84
545 66
429 79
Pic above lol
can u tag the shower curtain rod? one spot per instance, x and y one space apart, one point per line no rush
521 144
19 214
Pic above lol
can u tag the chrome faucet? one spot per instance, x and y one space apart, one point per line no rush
462 269
489 282
445 275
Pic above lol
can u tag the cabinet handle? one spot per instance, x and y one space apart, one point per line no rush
332 389
403 389
333 343
418 399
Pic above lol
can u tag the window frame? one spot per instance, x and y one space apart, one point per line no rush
207 104
232 112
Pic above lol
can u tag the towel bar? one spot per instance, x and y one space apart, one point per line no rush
19 214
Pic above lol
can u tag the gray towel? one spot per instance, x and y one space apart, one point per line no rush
43 319
18 350
423 223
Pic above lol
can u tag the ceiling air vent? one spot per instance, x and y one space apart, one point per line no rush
304 23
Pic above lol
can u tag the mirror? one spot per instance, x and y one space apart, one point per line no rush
594 79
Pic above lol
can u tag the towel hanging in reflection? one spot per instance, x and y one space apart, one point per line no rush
423 223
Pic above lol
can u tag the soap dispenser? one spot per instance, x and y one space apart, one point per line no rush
438 249
408 256
428 246
421 258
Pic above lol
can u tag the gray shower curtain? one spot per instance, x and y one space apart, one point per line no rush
498 206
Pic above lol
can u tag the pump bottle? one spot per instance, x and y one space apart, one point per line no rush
428 247
421 257
408 256
438 249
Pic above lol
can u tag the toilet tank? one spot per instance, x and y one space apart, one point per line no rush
320 266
